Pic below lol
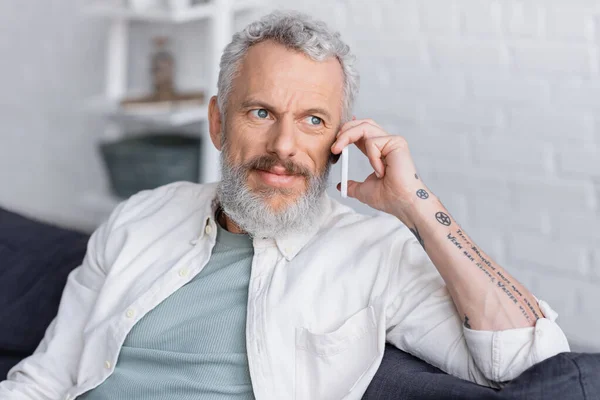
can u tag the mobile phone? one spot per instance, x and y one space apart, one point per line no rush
344 172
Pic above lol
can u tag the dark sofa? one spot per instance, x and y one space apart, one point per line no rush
35 259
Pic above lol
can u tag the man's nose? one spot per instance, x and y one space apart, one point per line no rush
282 140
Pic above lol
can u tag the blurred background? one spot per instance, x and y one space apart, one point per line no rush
498 100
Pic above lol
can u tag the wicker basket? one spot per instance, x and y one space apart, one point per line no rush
149 161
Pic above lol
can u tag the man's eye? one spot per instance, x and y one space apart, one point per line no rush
260 113
314 120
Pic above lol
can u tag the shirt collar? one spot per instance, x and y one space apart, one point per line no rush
290 245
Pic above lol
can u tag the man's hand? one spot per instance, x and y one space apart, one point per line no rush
486 295
393 185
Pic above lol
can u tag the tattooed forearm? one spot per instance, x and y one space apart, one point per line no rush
503 283
415 232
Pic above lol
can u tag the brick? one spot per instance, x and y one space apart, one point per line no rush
552 58
595 272
477 187
554 194
505 153
575 226
447 54
405 52
560 292
443 146
361 16
439 16
580 163
428 84
507 218
522 18
578 95
469 114
547 253
481 17
570 23
552 124
508 89
399 17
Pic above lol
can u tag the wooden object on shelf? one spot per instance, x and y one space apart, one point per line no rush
162 70
153 102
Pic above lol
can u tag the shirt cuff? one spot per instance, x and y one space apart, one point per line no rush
504 355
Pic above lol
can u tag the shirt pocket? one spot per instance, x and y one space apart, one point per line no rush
328 365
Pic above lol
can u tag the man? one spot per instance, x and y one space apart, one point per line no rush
262 286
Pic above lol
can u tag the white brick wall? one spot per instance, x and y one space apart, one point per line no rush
499 101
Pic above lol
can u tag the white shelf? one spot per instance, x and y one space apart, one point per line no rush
193 13
183 115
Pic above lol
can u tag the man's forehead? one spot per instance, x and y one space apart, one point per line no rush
270 69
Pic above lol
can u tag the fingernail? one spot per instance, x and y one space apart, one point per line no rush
377 174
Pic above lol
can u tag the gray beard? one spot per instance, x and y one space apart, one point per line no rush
253 214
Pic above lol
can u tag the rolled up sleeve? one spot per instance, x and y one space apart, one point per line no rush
504 355
422 320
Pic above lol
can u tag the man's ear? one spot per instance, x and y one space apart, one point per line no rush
215 125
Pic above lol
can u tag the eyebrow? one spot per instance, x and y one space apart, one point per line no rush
258 103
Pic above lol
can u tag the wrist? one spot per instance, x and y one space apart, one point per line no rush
417 209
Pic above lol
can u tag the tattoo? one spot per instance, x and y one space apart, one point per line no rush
415 232
524 313
516 290
508 292
467 325
443 218
503 283
528 304
422 194
462 236
454 241
416 176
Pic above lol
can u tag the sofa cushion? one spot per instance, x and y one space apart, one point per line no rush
566 376
35 259
404 376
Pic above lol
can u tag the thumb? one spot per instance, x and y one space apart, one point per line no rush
356 190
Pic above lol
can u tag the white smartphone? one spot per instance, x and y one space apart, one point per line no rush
344 172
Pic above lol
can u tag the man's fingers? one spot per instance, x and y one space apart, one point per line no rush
354 134
374 146
356 122
355 189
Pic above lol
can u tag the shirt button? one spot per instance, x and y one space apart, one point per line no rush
208 229
539 332
288 250
107 364
130 313
183 272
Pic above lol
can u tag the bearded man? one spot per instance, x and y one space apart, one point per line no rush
261 285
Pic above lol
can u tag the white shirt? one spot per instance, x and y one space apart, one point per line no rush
321 305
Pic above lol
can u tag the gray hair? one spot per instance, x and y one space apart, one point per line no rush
296 31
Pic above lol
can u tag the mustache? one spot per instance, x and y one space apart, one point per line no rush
266 162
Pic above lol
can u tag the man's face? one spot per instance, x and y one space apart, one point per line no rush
282 117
